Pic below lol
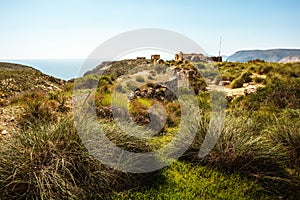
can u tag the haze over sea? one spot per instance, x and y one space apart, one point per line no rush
60 68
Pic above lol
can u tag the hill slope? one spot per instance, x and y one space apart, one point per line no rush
272 55
16 78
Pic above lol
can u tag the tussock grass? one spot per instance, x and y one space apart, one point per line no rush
50 162
245 149
240 148
286 131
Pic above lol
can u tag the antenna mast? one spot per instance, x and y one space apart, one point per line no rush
220 46
220 49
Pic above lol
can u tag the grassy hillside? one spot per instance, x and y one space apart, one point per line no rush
257 155
15 79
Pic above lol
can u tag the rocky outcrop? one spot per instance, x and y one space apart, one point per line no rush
154 91
192 57
290 59
99 68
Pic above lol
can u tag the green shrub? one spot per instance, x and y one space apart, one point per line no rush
140 79
244 78
131 86
119 88
104 100
127 141
264 69
173 110
144 103
237 83
257 79
278 94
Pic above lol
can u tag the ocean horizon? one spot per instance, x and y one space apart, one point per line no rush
60 68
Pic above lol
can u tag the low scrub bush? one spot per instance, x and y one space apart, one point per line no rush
140 79
42 107
39 111
278 94
257 79
244 78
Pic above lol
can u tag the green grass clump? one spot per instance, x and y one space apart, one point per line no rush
286 131
144 103
50 162
241 148
185 181
245 148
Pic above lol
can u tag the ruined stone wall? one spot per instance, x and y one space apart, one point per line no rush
192 57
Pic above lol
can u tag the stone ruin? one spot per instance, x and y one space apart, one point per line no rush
216 58
192 57
196 57
156 59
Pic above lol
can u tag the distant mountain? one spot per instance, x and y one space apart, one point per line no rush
272 55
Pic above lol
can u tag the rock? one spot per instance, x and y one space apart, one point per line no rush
120 113
4 132
131 96
250 89
290 59
12 119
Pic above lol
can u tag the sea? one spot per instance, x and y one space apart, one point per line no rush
60 68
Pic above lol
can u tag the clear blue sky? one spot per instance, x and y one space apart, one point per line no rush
72 29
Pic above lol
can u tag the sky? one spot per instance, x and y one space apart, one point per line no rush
36 29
